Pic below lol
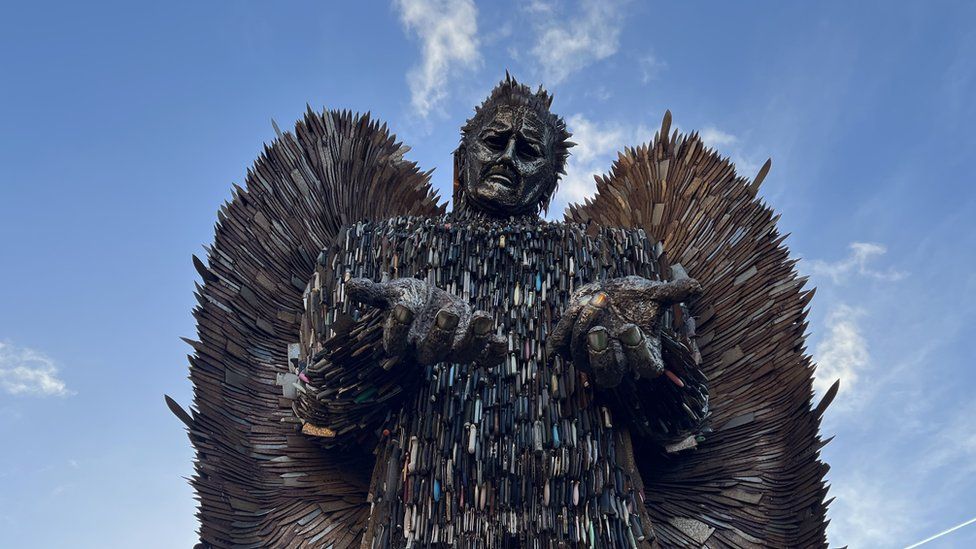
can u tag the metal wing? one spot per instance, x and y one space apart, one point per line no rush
757 479
259 482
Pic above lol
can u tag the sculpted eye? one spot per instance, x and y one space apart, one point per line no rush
528 150
495 141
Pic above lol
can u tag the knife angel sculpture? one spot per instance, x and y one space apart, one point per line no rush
374 371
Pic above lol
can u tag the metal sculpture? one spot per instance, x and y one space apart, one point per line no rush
373 371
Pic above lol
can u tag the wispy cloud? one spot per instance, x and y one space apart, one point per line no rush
857 262
843 353
952 447
25 371
870 513
448 34
597 145
600 93
746 164
539 6
650 67
567 44
60 489
716 138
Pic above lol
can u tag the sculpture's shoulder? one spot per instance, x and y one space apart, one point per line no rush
363 232
459 225
597 231
618 242
413 245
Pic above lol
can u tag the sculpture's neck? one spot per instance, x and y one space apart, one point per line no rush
468 212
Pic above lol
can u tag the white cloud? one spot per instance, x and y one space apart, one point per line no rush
870 513
60 489
715 138
951 448
843 353
448 33
600 93
746 165
856 263
650 67
539 6
597 145
25 371
565 46
499 33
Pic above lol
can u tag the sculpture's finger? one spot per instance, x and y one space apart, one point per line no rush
559 338
475 337
396 330
375 294
637 352
437 344
675 291
494 352
591 312
607 369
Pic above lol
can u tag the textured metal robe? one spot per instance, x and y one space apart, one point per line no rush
522 454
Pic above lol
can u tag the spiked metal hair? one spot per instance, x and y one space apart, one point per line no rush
510 92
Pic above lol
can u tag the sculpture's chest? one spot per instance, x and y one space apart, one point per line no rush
516 449
501 268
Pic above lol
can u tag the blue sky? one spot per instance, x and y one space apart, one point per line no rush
124 127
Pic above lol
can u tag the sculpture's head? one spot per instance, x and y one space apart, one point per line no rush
511 154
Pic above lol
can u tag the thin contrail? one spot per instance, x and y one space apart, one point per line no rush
942 533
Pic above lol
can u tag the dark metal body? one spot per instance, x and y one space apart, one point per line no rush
525 453
264 478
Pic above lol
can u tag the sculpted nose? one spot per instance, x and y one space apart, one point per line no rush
509 152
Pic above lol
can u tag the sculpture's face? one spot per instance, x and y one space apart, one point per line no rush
509 164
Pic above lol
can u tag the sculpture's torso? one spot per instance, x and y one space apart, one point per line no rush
515 455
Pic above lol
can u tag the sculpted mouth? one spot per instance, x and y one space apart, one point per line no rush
502 176
501 179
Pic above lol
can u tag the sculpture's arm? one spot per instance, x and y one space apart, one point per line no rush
644 370
348 383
